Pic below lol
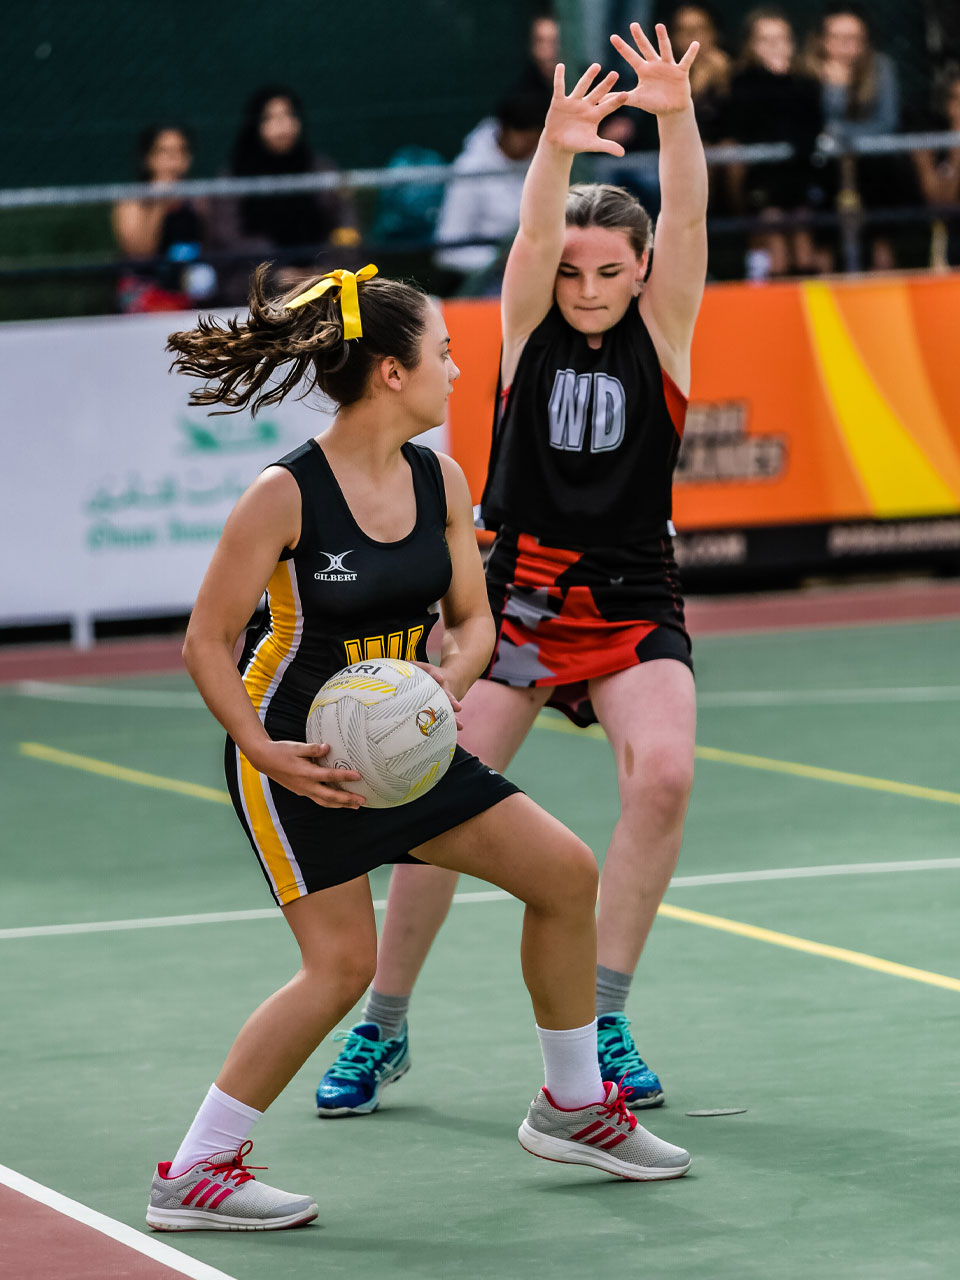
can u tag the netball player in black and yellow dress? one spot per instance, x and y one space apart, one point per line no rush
594 375
354 536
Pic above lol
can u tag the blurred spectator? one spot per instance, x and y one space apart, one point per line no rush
488 209
711 70
861 94
771 101
543 56
408 212
861 98
938 175
272 142
170 229
636 131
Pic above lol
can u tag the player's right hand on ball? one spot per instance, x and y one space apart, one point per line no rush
296 766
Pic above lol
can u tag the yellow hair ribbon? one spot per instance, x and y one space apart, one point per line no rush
347 282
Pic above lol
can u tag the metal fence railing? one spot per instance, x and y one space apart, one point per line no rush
847 216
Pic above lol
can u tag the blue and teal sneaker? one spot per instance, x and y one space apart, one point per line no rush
351 1086
620 1062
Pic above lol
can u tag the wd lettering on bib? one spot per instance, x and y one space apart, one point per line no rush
573 397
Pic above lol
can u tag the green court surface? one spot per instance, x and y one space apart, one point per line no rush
845 1162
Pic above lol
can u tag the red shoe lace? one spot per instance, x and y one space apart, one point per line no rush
617 1110
235 1169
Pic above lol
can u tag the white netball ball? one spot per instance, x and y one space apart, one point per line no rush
390 722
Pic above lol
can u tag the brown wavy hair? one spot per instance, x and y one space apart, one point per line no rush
599 204
261 360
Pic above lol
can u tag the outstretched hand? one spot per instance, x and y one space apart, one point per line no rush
663 84
573 119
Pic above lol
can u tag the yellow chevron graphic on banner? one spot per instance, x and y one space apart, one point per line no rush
897 474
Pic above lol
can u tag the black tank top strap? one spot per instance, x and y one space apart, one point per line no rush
427 475
310 473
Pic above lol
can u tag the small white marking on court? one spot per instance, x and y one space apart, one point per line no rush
484 895
108 695
119 1231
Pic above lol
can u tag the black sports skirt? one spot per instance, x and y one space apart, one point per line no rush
303 847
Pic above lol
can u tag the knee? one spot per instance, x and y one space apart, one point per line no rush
345 975
660 787
573 885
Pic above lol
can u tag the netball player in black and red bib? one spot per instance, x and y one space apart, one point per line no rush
397 518
595 372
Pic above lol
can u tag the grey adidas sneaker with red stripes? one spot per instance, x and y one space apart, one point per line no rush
221 1194
605 1135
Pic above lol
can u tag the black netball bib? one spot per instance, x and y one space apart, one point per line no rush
341 597
586 439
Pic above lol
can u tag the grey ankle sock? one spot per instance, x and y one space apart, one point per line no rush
612 990
388 1012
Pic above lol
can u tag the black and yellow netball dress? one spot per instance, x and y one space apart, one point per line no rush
341 597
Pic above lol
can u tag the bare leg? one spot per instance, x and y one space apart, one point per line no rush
519 847
649 714
337 934
496 719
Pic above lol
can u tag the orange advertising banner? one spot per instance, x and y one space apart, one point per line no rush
811 402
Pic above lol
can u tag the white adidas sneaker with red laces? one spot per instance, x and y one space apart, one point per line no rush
221 1194
605 1135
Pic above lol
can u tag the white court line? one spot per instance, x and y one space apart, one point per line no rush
486 895
104 695
815 873
827 697
107 695
119 1231
209 917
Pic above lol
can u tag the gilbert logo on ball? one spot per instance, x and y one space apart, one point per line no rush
392 723
430 719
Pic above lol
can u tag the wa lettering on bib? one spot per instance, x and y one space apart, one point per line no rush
577 397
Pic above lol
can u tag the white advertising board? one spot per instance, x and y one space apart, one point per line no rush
113 491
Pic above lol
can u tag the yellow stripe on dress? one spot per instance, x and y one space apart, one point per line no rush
261 678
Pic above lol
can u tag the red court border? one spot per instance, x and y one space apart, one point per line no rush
899 601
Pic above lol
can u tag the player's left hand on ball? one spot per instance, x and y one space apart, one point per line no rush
443 680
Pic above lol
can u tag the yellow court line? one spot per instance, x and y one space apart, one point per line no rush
858 958
37 751
828 775
720 756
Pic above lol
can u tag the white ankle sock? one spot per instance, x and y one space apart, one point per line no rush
221 1124
570 1066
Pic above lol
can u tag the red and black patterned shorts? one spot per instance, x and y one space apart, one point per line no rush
565 617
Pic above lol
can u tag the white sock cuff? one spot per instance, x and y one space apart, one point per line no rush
233 1104
573 1035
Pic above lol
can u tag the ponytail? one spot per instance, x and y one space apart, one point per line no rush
259 361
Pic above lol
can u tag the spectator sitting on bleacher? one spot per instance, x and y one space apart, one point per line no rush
938 174
488 209
710 73
174 230
709 83
272 142
771 101
860 95
543 55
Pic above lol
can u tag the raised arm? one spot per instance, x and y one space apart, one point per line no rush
531 270
672 295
